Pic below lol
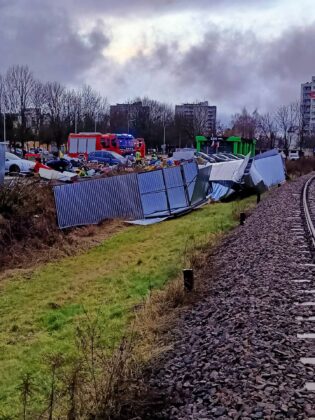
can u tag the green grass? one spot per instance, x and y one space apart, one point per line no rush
39 312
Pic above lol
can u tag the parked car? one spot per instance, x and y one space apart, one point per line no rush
14 163
110 158
293 155
59 165
75 162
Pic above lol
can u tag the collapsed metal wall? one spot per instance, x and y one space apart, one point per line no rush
159 193
2 162
89 202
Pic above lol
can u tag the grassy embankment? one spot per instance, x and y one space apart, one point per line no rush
39 311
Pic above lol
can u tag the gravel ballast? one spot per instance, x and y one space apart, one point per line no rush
236 354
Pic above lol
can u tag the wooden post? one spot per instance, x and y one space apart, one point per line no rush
258 197
188 279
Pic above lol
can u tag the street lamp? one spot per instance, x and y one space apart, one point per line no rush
164 133
164 145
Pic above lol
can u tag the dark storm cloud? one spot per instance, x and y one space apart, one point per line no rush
230 68
47 40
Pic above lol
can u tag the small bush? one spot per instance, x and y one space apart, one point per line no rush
27 220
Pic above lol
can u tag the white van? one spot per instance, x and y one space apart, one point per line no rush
293 155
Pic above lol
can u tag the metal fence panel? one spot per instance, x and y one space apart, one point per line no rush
135 196
90 202
201 186
190 173
2 162
175 186
153 193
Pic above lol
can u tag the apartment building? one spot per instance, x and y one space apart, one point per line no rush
308 105
200 115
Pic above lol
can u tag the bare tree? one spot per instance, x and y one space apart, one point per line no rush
55 99
287 120
268 129
19 85
91 103
245 124
3 104
283 122
38 99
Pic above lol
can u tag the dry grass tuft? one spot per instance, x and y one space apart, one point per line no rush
29 234
28 221
302 166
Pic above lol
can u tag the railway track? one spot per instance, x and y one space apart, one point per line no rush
307 292
308 201
246 350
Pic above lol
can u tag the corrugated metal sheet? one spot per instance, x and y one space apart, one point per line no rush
2 162
270 169
159 193
221 189
225 171
264 155
265 170
90 202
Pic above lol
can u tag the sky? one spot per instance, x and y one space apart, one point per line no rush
233 53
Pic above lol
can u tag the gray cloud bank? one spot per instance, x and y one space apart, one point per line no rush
230 68
144 7
45 38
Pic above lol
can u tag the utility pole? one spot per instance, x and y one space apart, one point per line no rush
4 127
96 118
75 123
164 145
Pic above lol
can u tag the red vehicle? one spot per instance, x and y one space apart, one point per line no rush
82 144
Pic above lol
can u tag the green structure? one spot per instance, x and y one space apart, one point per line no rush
237 145
242 146
199 141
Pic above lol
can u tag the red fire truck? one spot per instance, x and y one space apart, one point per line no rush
81 144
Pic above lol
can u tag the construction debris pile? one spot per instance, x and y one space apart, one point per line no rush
260 173
154 189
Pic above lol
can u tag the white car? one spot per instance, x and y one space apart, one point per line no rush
15 164
293 155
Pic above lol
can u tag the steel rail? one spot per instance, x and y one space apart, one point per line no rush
306 209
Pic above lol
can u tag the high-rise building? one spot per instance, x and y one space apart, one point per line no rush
308 105
201 116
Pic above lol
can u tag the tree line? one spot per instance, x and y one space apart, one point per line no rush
48 112
284 128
